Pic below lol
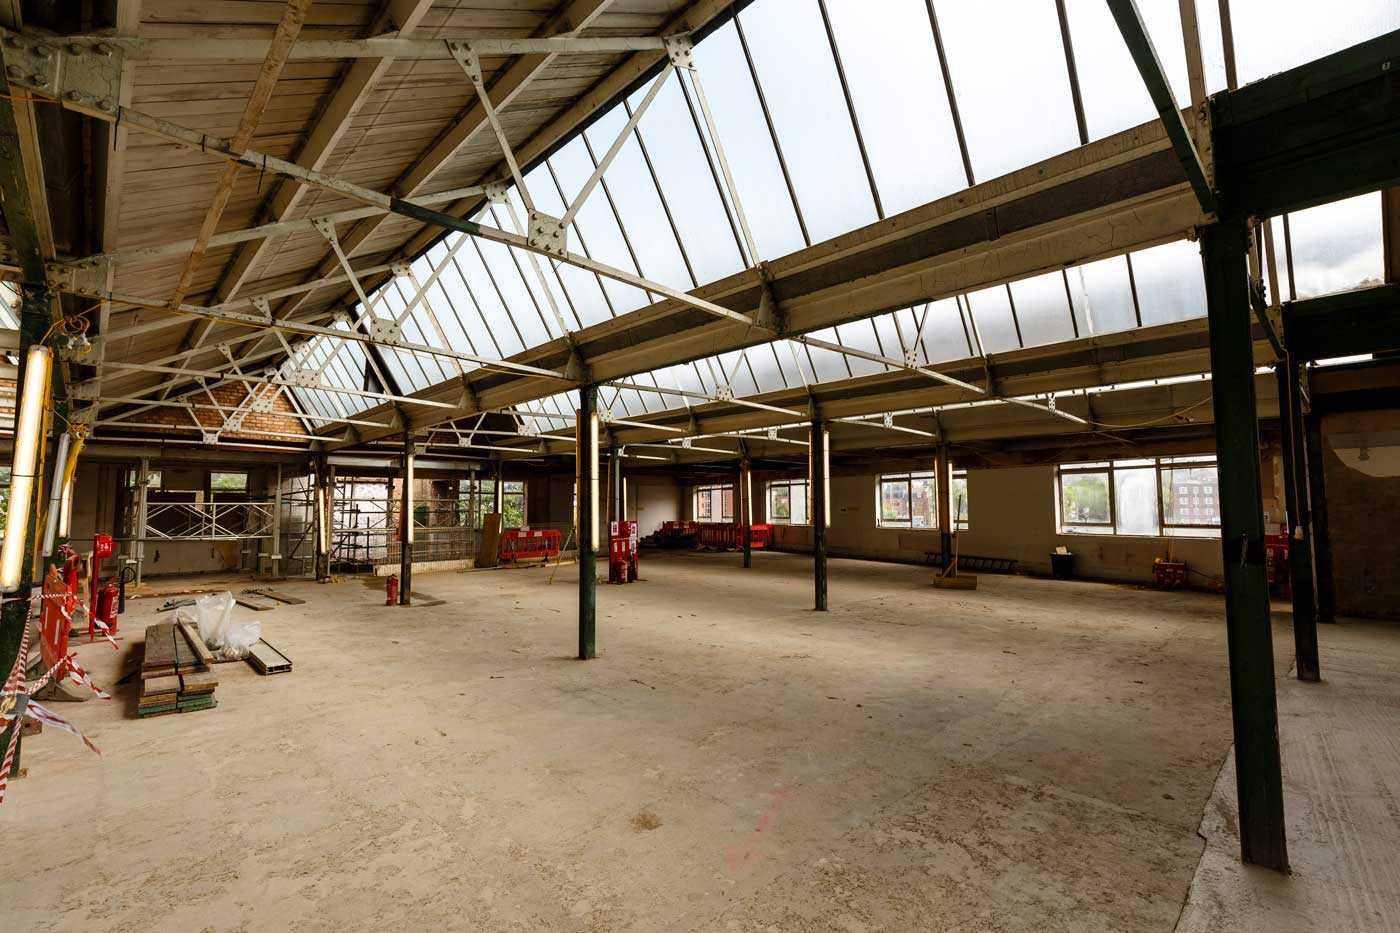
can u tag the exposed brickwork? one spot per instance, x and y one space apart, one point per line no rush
255 424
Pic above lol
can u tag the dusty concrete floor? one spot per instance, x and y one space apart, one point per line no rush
1034 755
1340 744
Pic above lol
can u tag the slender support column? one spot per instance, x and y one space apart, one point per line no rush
819 474
1224 250
1300 569
321 518
276 557
143 485
744 490
498 501
616 506
586 473
944 492
406 523
1321 536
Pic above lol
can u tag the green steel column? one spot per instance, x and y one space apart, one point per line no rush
1321 536
1300 568
818 476
586 458
944 492
1224 250
14 616
745 493
406 522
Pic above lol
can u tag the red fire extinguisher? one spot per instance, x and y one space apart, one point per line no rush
106 608
391 589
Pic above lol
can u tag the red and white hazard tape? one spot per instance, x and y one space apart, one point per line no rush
15 703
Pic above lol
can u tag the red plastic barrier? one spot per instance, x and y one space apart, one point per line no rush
519 545
729 537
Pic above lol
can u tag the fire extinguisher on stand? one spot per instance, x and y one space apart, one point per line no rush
391 590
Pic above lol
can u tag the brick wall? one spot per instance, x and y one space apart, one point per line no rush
280 419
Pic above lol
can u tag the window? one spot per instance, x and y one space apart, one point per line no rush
1172 496
477 497
907 500
787 502
957 498
228 482
714 503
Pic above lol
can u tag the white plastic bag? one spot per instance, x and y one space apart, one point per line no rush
227 637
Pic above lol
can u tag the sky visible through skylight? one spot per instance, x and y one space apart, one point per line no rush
810 163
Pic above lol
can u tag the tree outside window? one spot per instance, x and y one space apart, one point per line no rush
908 500
477 498
787 502
1148 497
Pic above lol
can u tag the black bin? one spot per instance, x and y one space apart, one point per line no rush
1061 565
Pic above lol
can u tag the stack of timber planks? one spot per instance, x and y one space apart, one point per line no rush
175 674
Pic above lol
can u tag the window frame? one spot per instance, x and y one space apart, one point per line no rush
907 477
1162 467
792 486
721 489
472 489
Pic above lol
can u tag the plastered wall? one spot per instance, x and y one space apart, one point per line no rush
1361 453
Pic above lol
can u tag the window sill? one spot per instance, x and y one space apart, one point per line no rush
1109 534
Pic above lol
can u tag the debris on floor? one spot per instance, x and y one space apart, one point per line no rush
175 672
275 595
268 660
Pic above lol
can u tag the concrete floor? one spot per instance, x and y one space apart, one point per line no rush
1034 755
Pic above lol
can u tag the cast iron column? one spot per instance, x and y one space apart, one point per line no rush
1300 571
616 507
498 501
947 522
745 492
817 478
1224 250
406 522
586 458
1321 536
322 492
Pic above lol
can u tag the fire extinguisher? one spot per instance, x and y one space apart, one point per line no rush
391 589
107 599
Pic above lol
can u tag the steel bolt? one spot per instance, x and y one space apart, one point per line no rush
43 50
75 48
75 96
14 71
104 49
106 105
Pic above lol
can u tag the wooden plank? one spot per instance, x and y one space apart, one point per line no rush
160 686
287 31
160 646
284 598
248 603
201 650
489 550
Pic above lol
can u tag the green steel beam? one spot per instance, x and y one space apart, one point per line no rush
1249 631
1300 566
1366 320
1135 36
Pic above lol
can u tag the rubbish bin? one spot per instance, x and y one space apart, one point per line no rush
1061 565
